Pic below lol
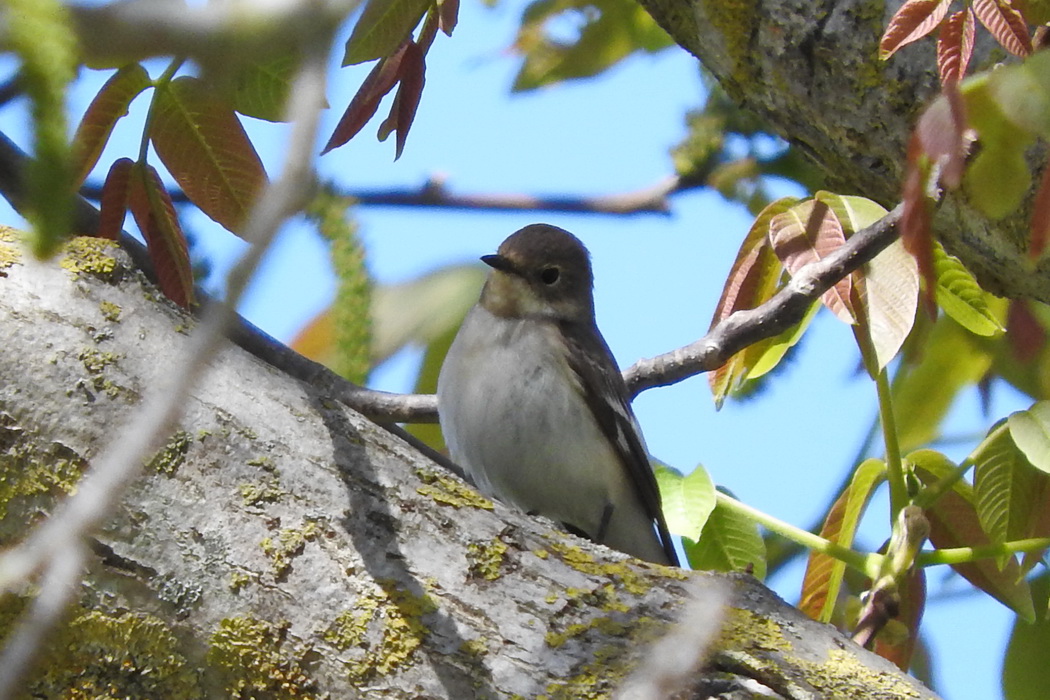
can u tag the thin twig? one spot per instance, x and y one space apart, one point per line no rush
435 194
785 309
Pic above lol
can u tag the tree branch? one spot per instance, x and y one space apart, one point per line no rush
785 309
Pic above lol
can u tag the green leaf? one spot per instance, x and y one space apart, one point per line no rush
202 143
954 523
383 26
1004 485
108 106
1026 674
422 310
961 297
729 542
261 87
771 351
923 393
687 500
612 30
41 34
1031 432
824 573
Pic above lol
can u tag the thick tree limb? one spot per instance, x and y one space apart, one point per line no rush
282 542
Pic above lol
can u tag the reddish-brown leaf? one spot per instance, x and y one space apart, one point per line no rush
413 77
915 228
899 650
753 278
806 233
114 201
365 103
942 134
1006 24
955 45
448 15
914 20
1040 217
153 211
203 145
109 105
1025 335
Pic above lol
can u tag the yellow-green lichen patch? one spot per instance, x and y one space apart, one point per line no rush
844 676
110 311
288 543
388 612
96 363
606 626
450 491
625 572
596 680
170 457
254 495
9 254
113 655
255 658
31 467
745 630
238 580
735 21
485 559
90 256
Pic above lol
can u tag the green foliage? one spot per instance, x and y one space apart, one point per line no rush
687 500
1026 675
383 25
729 542
350 310
606 32
41 34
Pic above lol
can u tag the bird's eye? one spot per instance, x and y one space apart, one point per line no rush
549 275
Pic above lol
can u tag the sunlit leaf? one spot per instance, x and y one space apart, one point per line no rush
155 215
1031 432
806 233
764 356
955 45
754 278
954 523
1026 674
108 106
1004 487
915 226
922 394
203 145
113 204
961 297
823 579
914 20
687 500
382 28
729 542
1006 23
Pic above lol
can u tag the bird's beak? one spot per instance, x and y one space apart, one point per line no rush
498 262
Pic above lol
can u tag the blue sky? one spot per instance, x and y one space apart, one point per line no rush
657 278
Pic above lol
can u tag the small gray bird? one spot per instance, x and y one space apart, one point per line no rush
533 406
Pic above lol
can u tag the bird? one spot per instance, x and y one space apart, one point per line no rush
534 409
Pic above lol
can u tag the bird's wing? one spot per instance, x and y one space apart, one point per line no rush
606 394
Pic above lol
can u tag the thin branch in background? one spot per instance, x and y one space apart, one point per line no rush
785 309
59 583
121 460
11 89
435 194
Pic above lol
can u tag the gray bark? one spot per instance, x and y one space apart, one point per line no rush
281 545
811 70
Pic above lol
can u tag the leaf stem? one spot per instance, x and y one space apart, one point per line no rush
162 80
968 555
894 468
867 563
